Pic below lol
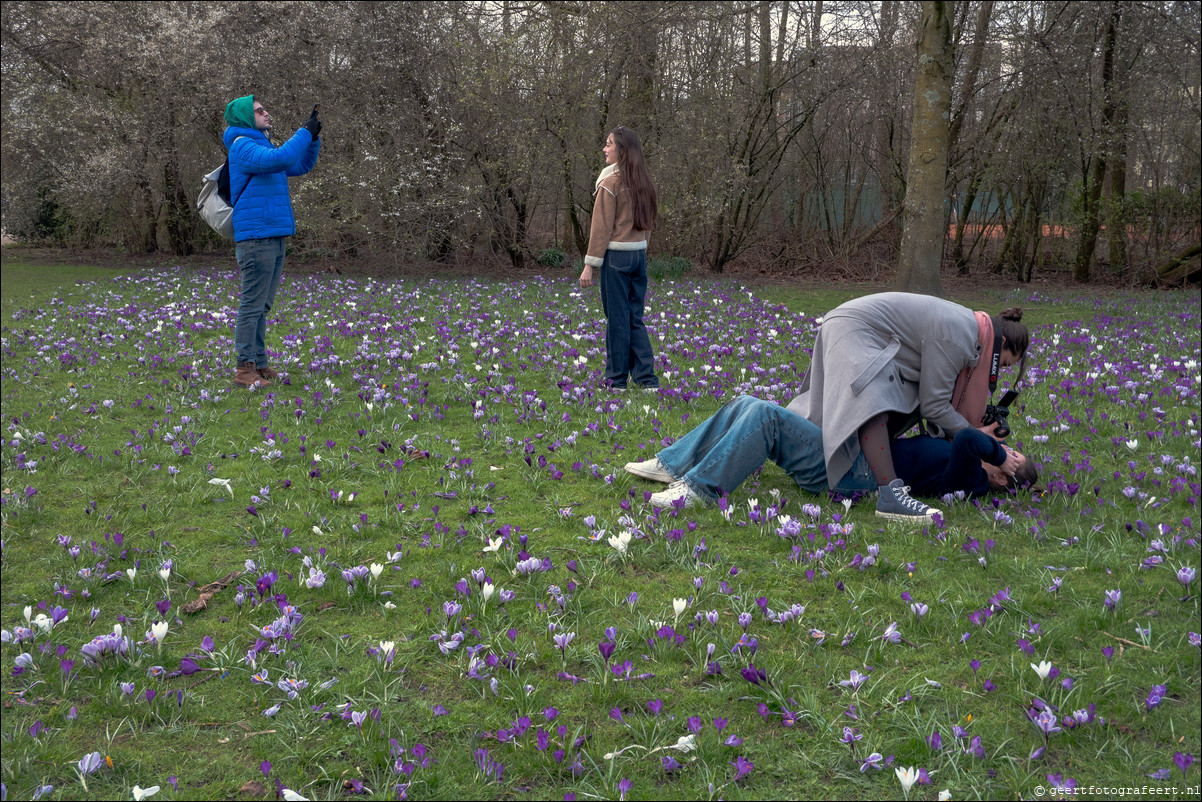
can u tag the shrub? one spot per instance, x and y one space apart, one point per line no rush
552 257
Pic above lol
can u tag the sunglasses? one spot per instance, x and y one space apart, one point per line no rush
261 111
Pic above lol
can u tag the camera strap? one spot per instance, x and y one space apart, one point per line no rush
995 362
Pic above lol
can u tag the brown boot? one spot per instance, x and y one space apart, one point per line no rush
248 376
268 372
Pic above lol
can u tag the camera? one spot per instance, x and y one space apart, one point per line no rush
999 413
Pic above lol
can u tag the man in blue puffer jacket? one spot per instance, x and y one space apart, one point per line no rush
262 218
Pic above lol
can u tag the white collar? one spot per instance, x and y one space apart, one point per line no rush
609 170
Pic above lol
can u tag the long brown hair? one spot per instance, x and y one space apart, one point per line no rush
643 197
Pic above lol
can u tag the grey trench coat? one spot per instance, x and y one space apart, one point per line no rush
893 351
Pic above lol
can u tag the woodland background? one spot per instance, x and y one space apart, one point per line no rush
777 132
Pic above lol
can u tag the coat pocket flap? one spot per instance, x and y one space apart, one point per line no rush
875 366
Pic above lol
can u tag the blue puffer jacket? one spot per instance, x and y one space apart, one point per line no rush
259 180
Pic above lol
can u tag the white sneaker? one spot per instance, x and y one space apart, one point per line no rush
675 493
651 469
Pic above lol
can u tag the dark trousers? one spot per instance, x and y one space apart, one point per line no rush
627 346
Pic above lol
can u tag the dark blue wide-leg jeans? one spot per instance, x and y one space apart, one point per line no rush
627 346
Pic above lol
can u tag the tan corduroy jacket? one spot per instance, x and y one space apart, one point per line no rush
613 219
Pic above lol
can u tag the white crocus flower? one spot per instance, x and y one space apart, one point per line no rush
387 647
621 541
132 573
1043 669
907 778
223 483
158 630
486 591
679 605
945 795
141 793
376 570
494 544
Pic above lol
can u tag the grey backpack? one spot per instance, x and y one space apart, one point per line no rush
214 203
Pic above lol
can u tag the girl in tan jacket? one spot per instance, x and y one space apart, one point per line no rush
624 213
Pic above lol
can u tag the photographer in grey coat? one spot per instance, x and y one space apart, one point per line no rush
883 361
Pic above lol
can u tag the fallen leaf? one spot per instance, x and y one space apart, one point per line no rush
209 591
253 788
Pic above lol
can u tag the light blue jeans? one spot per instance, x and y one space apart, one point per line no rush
718 455
262 263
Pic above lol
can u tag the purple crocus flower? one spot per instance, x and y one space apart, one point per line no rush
743 767
1046 721
655 706
90 763
1186 575
1183 760
1112 598
1155 697
755 675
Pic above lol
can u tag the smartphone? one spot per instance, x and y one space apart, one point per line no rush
316 106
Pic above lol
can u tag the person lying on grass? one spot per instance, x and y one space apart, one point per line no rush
718 455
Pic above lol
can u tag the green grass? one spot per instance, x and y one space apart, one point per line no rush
100 471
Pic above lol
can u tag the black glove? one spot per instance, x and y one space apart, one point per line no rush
313 125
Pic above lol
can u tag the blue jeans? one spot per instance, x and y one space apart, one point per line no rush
262 263
627 346
718 455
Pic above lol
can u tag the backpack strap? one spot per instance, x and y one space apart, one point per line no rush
234 202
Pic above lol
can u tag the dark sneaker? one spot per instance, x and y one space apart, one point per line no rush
651 469
248 376
676 493
894 502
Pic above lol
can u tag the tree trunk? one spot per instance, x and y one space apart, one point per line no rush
923 231
1093 188
640 85
972 68
1116 218
1181 267
891 183
970 199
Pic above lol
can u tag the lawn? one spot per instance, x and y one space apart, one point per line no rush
404 571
